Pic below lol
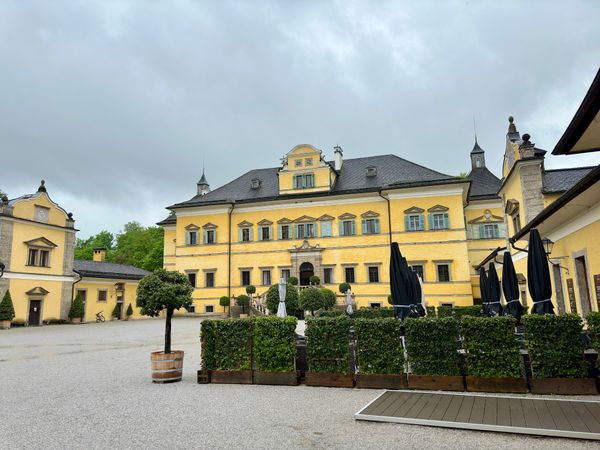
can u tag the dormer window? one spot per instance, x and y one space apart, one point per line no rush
298 163
255 183
371 171
304 181
308 162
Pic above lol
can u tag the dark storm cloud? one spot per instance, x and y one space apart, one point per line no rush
117 104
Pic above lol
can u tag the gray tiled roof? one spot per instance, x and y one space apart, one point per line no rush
391 170
484 184
98 269
561 180
170 220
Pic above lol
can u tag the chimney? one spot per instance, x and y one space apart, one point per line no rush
338 161
100 254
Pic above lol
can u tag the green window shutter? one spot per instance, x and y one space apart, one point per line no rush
278 231
239 234
446 221
406 223
421 222
205 237
215 236
353 228
187 238
430 220
251 233
481 232
341 227
364 226
377 226
260 235
296 179
496 231
295 231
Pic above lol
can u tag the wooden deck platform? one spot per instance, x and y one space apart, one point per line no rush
508 414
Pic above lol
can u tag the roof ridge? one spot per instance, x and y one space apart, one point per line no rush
569 168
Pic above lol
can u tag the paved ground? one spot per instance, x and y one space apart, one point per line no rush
89 386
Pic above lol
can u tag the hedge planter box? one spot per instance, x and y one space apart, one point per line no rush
329 379
496 384
203 377
381 381
231 376
564 386
276 378
436 382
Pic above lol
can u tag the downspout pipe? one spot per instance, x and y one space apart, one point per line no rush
389 213
229 249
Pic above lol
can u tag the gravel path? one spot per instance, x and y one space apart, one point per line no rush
89 386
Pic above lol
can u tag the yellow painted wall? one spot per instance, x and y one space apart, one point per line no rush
50 302
323 174
92 306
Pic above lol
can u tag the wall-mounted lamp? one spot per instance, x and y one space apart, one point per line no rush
548 245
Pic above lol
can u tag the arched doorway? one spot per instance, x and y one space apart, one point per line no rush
306 271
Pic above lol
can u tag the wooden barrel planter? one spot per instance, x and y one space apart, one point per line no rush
564 386
276 378
166 367
325 379
436 382
381 381
496 384
231 376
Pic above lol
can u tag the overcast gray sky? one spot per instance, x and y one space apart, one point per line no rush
117 104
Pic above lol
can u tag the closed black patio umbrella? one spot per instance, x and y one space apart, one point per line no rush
483 287
510 287
417 295
538 275
399 280
494 306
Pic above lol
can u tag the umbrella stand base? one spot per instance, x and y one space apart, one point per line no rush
276 378
231 376
496 384
325 379
564 386
381 381
436 382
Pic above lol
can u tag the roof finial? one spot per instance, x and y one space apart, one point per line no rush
512 128
42 187
474 128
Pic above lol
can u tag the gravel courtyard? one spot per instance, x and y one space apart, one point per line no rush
89 386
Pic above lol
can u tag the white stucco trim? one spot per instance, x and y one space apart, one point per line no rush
587 218
425 191
36 276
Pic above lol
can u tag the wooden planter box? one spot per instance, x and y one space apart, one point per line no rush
564 386
231 376
203 377
329 379
276 378
436 382
496 384
381 381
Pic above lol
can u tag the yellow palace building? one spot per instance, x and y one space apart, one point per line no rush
37 243
335 220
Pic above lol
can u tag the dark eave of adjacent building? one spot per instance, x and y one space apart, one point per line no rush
581 120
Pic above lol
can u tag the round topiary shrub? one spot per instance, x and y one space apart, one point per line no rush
7 311
291 299
224 301
314 280
250 290
390 299
76 311
329 298
311 299
344 287
242 301
293 281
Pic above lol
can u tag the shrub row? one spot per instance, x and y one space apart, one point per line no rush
379 346
327 346
459 311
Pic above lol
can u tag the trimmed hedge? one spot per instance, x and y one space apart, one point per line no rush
593 322
379 344
291 299
274 345
76 310
431 311
331 313
226 344
459 311
554 345
432 346
327 347
329 298
311 299
492 349
373 313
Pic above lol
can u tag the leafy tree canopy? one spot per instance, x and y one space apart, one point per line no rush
163 290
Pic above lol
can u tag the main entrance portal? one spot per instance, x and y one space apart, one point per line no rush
306 271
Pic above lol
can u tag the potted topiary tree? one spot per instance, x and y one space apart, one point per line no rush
225 302
116 312
343 287
329 298
168 291
314 280
7 311
293 281
311 299
76 311
291 299
129 312
243 301
250 290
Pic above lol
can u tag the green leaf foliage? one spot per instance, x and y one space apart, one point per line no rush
593 322
129 310
343 287
432 346
163 290
224 301
116 311
373 313
291 299
274 345
250 290
227 344
76 310
331 313
311 299
293 281
7 311
459 311
314 280
431 311
327 347
554 345
491 347
329 298
242 300
379 347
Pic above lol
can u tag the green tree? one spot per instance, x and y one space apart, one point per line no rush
140 247
311 299
343 287
84 248
293 281
225 302
250 290
164 290
243 301
314 280
7 311
76 311
116 311
329 298
291 299
129 310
